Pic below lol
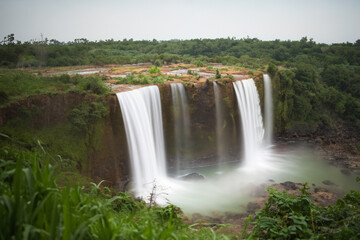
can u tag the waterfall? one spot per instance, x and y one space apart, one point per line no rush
141 111
251 119
181 122
220 140
268 109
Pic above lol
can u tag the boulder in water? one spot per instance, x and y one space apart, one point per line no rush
290 185
346 172
328 182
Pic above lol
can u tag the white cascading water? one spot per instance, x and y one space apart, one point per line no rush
141 112
268 109
251 120
219 124
181 121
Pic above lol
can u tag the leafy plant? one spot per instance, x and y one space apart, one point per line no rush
93 84
295 217
32 206
217 74
154 70
87 113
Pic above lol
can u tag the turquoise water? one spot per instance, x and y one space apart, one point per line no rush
231 186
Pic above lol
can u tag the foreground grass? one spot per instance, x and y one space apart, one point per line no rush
32 206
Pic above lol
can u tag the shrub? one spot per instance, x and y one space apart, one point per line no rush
217 74
87 113
272 69
158 63
296 217
65 78
93 84
154 70
229 76
198 63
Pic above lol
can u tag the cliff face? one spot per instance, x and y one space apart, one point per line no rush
44 110
107 157
201 145
111 161
103 159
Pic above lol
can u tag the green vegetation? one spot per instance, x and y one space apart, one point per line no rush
217 74
317 84
140 79
32 206
296 217
70 131
305 101
20 84
154 70
75 130
199 63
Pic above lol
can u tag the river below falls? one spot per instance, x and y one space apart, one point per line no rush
229 187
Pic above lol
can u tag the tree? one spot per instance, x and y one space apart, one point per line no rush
217 75
9 39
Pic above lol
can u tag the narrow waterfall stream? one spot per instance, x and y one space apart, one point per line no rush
181 123
251 120
268 109
141 111
220 138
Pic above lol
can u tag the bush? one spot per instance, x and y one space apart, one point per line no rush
93 84
141 79
158 63
296 217
65 78
199 63
154 70
217 74
229 76
272 69
87 113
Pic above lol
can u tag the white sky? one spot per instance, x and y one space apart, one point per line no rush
327 21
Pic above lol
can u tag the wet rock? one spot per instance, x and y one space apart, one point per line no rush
192 177
346 172
253 207
324 198
271 180
319 189
289 185
328 182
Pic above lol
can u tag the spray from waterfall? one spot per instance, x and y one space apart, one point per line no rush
141 111
268 109
181 122
251 120
220 139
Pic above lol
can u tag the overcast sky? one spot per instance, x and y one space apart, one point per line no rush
327 21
